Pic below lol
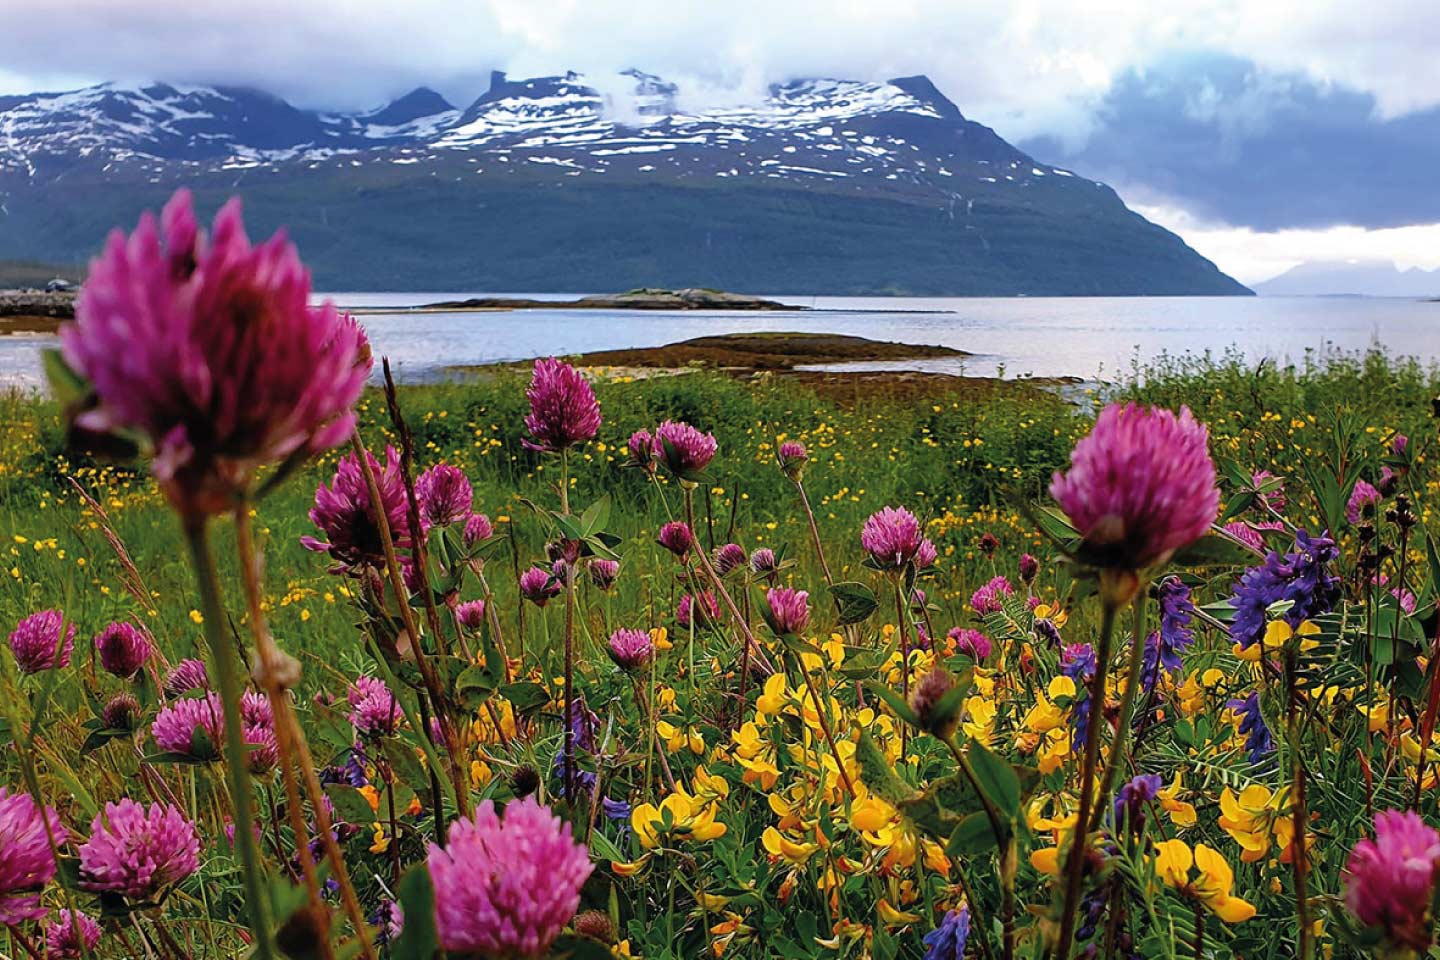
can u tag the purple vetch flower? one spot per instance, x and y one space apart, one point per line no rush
707 612
136 850
986 600
792 456
27 862
1363 495
477 530
1078 662
505 886
563 408
1258 739
389 921
1135 796
210 349
71 935
123 649
1044 629
676 537
444 495
728 558
643 452
1163 647
1141 485
788 610
972 643
374 711
947 941
185 676
684 450
893 537
603 573
1029 569
539 586
631 649
763 562
1390 880
38 645
1302 576
471 615
190 727
344 514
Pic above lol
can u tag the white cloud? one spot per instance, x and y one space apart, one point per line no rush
1251 256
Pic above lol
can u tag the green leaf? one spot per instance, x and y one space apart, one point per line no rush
997 779
925 812
419 939
593 520
854 601
957 794
878 775
894 701
1214 550
525 697
402 760
574 947
349 803
974 835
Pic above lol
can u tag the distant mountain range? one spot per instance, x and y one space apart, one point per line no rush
1340 278
823 186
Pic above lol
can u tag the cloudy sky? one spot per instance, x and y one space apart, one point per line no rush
1266 132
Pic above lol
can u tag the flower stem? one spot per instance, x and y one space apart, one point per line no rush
1006 850
290 741
1299 851
900 618
569 568
1127 707
1079 837
227 672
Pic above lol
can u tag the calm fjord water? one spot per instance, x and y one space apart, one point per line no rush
1084 337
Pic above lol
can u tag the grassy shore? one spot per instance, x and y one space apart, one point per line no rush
766 847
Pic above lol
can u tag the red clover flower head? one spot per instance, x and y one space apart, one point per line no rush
631 649
684 450
972 643
706 610
676 537
763 562
539 586
37 642
506 885
471 615
1140 486
185 676
444 494
176 725
1363 495
563 408
374 711
28 862
70 935
209 349
603 573
893 538
136 850
123 649
1389 881
478 529
792 456
343 513
728 558
643 451
789 610
986 600
1029 569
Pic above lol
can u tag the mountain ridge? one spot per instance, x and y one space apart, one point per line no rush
863 186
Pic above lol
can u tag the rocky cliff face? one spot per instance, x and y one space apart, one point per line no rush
559 183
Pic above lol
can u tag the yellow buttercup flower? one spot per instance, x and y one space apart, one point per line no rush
778 845
1254 816
1278 633
690 819
1182 814
1173 862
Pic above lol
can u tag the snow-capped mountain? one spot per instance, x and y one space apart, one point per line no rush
819 142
